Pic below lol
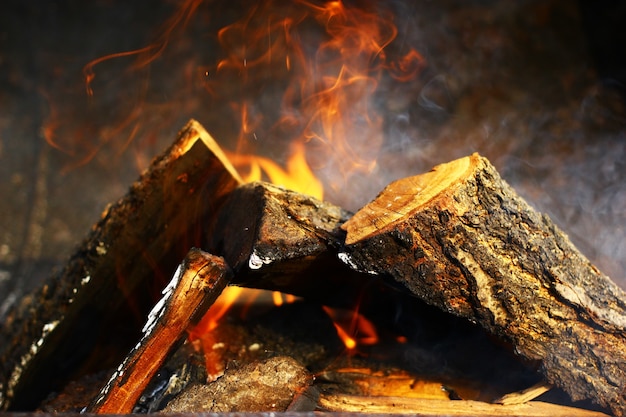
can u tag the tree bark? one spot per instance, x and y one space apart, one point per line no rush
123 262
460 238
285 241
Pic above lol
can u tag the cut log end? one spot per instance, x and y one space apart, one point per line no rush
403 197
194 132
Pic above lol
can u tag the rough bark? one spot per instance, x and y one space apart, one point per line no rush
460 238
284 241
137 244
197 283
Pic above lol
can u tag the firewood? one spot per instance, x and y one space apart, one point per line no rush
269 385
366 382
282 240
460 238
137 243
431 407
198 281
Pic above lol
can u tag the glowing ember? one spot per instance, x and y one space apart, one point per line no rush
280 298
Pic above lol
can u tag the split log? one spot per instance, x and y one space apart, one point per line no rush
285 241
137 243
197 283
434 408
460 238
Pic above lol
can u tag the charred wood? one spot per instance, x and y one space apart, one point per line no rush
136 244
282 240
460 238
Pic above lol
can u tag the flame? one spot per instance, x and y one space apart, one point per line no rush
297 175
281 298
204 334
303 77
327 113
352 328
146 55
216 312
299 82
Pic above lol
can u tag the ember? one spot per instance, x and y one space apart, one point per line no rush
445 293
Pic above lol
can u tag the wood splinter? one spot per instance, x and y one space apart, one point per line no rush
196 284
425 407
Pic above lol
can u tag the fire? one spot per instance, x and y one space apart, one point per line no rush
297 175
327 113
317 104
203 334
217 310
352 328
296 83
280 298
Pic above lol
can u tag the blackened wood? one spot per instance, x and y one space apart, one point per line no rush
460 238
125 259
285 241
196 284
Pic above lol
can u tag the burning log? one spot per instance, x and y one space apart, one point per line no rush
284 241
139 239
460 238
198 281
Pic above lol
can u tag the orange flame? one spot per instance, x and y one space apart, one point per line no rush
217 311
301 76
352 328
328 115
297 176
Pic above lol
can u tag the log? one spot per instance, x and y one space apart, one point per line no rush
460 238
268 385
132 249
196 284
285 241
434 408
392 382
